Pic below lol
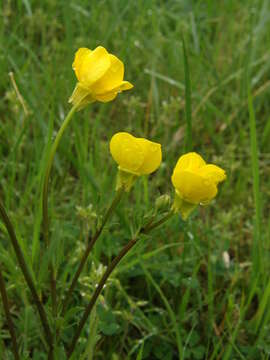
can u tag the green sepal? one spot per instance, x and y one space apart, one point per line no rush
184 207
125 180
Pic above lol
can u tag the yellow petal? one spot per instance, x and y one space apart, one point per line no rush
125 85
93 66
127 152
79 56
111 95
106 97
100 74
138 156
112 78
190 161
152 156
213 173
192 187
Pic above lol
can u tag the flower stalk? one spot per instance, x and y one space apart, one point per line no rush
48 172
45 203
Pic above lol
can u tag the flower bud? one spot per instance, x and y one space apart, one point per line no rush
163 202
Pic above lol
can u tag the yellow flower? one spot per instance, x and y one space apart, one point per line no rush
195 182
135 157
100 76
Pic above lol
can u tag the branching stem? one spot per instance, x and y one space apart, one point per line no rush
144 230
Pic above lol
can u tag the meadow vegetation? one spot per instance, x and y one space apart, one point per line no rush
201 286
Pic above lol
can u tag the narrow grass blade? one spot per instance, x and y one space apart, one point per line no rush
263 307
169 309
188 141
257 243
140 354
266 133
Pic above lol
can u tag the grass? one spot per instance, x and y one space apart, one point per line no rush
175 284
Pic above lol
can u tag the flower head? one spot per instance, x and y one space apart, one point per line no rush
100 76
195 182
134 156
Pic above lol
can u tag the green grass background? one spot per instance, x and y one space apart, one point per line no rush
174 297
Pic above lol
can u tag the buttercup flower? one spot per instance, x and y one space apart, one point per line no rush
134 156
100 76
195 182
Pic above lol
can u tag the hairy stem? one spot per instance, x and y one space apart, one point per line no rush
145 230
98 290
27 275
90 245
8 316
